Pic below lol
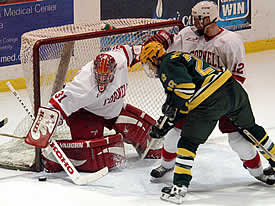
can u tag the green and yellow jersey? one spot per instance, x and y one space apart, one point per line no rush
189 80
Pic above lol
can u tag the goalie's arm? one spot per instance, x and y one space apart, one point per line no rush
163 37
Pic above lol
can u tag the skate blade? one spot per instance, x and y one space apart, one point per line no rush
178 199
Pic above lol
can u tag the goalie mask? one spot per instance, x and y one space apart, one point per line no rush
104 68
200 11
150 54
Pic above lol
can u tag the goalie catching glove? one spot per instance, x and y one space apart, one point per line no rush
163 37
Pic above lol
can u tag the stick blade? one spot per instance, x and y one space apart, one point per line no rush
86 179
145 152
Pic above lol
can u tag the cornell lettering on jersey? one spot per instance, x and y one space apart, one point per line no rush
210 57
119 93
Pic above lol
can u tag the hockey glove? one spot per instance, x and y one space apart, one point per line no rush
163 37
159 133
168 110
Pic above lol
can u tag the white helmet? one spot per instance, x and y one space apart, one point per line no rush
205 9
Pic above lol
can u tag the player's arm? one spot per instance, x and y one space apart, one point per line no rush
235 59
180 89
76 94
131 53
163 37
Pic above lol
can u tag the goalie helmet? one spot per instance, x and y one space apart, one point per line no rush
149 53
104 68
206 9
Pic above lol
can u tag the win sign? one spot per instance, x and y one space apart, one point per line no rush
234 14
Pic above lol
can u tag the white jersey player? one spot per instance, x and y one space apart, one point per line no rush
89 90
220 48
94 100
224 49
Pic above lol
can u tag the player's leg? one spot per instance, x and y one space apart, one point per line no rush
168 152
247 153
243 117
245 150
198 125
194 132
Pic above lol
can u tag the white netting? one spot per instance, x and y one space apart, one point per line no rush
68 57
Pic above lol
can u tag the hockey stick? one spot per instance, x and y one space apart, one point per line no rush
153 139
60 155
11 135
254 140
3 122
257 143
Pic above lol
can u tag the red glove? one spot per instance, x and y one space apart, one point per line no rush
163 37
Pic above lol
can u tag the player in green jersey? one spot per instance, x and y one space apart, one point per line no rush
200 94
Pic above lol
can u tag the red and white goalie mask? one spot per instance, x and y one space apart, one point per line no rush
105 67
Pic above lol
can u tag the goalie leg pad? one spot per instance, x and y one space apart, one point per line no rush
91 155
135 124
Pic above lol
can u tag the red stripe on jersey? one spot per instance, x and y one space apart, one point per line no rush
239 78
126 54
208 38
57 106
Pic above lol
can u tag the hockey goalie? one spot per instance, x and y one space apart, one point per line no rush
94 100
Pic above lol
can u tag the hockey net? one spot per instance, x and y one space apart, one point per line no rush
51 57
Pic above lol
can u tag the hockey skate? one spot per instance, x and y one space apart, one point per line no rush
268 176
175 194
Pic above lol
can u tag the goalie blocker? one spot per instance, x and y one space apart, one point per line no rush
42 127
89 150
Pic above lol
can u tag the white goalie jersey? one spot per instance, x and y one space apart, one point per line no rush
82 91
226 49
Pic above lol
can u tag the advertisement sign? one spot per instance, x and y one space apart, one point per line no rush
233 14
16 19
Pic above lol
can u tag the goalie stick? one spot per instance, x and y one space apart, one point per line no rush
3 122
60 155
11 135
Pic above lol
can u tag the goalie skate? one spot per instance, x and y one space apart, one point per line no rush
175 194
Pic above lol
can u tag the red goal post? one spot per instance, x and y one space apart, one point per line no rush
52 56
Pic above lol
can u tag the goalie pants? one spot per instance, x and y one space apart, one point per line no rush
230 100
